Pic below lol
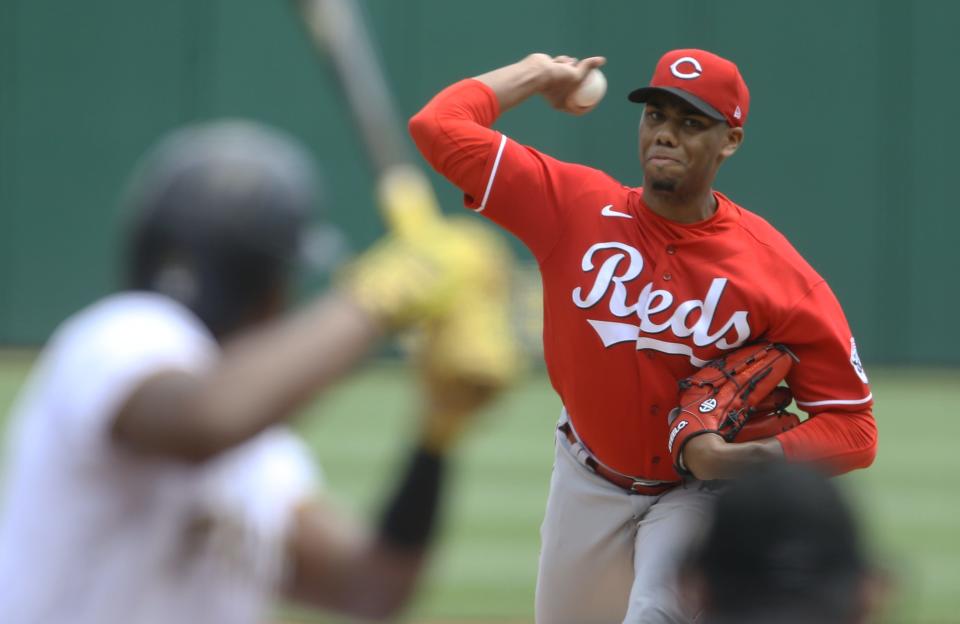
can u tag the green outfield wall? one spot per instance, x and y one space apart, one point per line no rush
850 150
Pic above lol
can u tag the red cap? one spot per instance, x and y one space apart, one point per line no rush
703 79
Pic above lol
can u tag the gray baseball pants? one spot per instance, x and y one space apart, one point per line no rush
609 556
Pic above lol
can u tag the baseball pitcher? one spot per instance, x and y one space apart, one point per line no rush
643 287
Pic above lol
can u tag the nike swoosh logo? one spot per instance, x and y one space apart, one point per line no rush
608 211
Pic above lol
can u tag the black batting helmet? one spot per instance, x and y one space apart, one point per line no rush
218 214
784 546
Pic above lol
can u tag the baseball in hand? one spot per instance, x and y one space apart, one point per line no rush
591 90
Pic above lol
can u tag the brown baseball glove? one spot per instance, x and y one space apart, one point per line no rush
736 397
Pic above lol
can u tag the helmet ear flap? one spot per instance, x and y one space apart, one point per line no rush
178 279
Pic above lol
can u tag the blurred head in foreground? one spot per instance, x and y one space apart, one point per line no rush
218 214
783 547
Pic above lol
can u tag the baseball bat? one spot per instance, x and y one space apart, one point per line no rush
474 340
338 30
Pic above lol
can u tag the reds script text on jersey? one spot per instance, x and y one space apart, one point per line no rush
634 302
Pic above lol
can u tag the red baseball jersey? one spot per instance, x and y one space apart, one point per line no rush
634 302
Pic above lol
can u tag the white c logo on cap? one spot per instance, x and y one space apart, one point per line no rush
697 70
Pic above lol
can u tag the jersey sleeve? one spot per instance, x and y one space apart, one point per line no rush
98 362
264 482
266 478
514 185
829 383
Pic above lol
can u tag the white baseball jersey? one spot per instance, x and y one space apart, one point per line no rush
93 534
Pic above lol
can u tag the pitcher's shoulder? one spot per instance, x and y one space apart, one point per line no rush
772 246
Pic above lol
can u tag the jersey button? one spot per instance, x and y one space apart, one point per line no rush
667 277
671 249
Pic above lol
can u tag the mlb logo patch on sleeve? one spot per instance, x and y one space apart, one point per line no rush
855 361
